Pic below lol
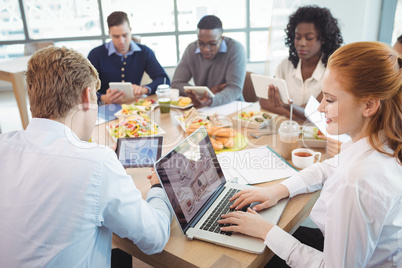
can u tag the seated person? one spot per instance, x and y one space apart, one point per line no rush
214 61
312 36
123 60
358 213
62 197
398 44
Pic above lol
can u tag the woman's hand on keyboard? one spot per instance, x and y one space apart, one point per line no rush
267 197
249 223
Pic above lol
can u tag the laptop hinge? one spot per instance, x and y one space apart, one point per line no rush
205 207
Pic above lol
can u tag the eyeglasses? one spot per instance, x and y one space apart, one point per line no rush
210 46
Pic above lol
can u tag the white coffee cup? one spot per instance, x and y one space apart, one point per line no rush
175 93
302 158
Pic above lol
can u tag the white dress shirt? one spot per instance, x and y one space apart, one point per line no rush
299 90
359 211
61 199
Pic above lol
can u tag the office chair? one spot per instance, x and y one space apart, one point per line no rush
248 89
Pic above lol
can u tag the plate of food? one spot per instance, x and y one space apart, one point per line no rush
309 137
192 116
254 119
134 126
145 102
223 139
181 103
131 109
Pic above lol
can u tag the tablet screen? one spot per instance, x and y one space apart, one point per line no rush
139 151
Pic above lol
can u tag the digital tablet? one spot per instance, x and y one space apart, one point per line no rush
199 90
138 152
126 87
262 82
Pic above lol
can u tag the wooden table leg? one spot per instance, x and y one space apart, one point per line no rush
17 81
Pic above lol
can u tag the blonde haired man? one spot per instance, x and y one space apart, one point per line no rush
61 198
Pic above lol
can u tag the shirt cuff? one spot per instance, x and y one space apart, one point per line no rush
295 185
280 242
149 90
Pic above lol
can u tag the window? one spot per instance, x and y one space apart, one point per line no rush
167 30
397 23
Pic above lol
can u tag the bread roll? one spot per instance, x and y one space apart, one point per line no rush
227 142
217 145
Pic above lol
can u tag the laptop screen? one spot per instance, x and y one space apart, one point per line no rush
190 174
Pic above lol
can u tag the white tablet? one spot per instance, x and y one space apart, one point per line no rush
199 90
126 87
261 83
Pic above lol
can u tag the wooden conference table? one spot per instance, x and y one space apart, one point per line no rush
180 252
13 70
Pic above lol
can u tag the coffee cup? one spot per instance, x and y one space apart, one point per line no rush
302 158
164 94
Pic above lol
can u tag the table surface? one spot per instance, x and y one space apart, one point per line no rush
180 251
14 65
13 70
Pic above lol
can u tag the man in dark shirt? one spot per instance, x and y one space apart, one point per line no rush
123 60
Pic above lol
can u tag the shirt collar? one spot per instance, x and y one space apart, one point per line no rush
361 145
317 74
52 126
222 49
112 49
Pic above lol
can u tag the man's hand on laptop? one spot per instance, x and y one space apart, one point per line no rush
248 223
267 196
153 178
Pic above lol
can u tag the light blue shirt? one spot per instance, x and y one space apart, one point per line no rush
61 199
112 49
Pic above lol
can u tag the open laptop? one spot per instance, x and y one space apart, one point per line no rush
195 185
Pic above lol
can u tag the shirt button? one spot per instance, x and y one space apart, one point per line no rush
125 57
122 75
122 69
123 81
124 63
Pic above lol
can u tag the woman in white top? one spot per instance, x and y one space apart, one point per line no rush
359 211
312 36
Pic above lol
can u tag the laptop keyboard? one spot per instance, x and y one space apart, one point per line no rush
211 223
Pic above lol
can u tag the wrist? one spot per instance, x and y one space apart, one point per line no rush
145 90
281 191
103 98
267 227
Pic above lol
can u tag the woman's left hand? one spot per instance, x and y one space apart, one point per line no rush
248 223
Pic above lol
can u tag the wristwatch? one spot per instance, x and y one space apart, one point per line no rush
156 185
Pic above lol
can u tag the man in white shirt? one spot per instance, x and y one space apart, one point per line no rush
61 198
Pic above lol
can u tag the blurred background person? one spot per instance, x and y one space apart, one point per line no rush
215 61
123 60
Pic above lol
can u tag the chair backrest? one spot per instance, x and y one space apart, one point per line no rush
248 89
30 48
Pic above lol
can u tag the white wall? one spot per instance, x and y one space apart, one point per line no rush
359 19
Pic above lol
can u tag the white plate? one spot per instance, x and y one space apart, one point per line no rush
160 132
140 108
182 122
255 125
181 107
312 143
